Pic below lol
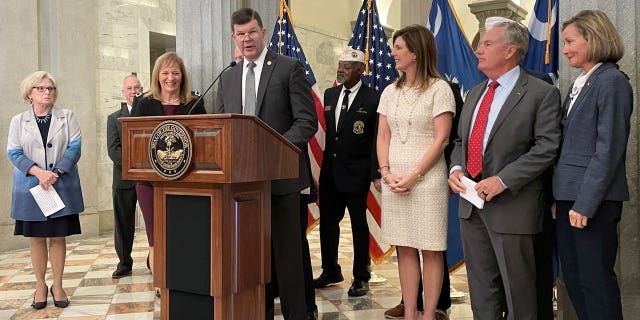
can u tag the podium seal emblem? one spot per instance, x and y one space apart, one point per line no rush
170 149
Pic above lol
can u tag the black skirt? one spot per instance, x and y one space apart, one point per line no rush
53 227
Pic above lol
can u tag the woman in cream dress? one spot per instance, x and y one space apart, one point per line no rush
415 120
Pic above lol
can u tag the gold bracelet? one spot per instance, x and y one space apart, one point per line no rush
417 173
381 167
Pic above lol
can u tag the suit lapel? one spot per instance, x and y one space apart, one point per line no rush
56 123
584 92
267 68
32 126
467 113
330 116
235 77
518 91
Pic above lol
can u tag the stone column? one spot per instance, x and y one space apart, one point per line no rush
623 15
414 12
203 37
494 8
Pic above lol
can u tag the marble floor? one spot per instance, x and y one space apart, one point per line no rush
94 295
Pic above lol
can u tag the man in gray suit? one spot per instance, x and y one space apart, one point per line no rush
508 135
274 88
123 191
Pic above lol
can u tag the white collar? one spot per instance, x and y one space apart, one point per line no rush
259 61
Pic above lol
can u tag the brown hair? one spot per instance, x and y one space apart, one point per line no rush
245 15
163 61
420 41
604 43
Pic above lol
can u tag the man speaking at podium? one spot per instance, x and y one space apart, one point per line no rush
274 88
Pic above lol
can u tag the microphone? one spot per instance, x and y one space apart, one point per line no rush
233 63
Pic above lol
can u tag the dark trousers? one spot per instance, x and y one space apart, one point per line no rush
544 267
500 269
444 301
286 258
124 216
587 259
307 271
332 207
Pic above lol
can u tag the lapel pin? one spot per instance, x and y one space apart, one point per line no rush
268 63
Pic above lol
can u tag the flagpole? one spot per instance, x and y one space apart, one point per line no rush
366 52
547 53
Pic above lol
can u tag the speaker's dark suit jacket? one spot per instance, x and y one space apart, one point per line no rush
284 102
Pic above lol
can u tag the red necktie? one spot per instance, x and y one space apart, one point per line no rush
474 148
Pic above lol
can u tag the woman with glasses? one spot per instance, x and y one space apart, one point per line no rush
170 94
44 146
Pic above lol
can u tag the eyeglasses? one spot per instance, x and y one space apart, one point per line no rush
43 89
252 34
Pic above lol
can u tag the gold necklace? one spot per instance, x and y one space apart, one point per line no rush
171 102
412 105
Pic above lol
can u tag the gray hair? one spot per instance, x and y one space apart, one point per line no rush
515 34
32 80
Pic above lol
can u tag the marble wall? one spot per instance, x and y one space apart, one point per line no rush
123 48
89 46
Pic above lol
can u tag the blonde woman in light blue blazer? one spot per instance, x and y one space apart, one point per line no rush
44 145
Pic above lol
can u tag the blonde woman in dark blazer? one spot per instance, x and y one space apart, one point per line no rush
44 145
589 182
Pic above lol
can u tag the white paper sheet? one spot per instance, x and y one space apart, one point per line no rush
471 195
48 200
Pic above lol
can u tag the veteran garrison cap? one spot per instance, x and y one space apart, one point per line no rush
351 54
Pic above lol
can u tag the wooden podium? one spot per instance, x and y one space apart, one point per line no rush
213 224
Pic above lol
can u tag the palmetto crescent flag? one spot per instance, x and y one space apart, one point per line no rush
456 60
380 70
457 63
542 55
285 42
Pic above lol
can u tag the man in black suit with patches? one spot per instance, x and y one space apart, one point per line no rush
349 165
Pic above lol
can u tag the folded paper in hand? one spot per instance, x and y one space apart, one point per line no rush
470 194
48 200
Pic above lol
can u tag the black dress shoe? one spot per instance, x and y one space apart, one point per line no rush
324 280
40 304
59 303
119 273
358 288
312 315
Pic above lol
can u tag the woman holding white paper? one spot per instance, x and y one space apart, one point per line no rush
44 145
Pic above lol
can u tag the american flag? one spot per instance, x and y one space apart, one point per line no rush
369 37
285 42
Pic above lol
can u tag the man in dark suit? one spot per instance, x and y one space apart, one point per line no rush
508 135
274 88
349 164
123 191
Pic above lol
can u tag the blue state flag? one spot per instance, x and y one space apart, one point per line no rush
542 55
456 60
456 63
